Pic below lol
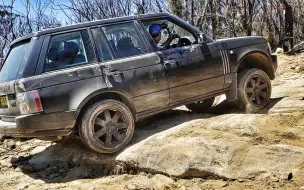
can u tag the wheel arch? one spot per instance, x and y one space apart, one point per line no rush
101 95
256 59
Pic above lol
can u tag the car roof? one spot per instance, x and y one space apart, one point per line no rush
100 22
89 24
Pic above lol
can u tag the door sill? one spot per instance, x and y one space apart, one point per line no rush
145 114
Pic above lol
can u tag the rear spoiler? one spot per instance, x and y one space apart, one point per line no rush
23 38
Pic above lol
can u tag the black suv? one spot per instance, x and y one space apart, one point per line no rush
97 78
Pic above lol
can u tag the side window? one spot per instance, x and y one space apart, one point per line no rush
167 34
68 50
101 45
124 40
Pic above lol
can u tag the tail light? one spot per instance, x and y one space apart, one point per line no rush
29 102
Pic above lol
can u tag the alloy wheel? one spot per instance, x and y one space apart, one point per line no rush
110 128
257 90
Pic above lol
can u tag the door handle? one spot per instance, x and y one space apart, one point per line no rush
168 64
114 73
85 73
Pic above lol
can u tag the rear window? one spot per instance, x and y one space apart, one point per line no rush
13 66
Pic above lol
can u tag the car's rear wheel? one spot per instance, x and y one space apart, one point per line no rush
254 90
107 126
201 106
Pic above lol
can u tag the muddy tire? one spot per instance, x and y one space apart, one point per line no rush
107 126
254 90
201 106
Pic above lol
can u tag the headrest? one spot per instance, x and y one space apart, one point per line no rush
125 43
69 49
53 53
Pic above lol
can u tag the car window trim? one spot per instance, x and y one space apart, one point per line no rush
183 26
72 67
136 29
83 63
43 53
141 34
85 51
13 46
94 44
66 32
148 36
104 38
175 21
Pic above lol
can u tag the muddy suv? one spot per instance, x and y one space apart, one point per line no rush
97 78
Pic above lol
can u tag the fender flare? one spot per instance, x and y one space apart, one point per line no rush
264 63
248 53
124 96
231 95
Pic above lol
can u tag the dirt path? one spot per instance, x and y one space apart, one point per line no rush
180 150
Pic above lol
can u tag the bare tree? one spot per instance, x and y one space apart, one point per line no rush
14 24
217 18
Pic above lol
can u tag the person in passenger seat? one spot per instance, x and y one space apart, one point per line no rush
126 47
117 53
69 55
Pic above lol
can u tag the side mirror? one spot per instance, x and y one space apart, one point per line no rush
203 38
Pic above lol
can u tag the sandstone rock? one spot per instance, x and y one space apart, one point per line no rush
6 163
299 68
240 125
290 135
261 161
191 157
140 183
17 169
164 182
38 149
223 151
1 138
279 51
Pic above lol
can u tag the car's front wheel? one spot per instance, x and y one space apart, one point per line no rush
107 126
254 90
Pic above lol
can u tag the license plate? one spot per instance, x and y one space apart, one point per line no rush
3 101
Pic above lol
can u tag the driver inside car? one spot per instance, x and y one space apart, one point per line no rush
155 31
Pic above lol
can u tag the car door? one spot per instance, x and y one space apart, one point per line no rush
67 71
136 71
194 69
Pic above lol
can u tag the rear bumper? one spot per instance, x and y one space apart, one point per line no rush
40 125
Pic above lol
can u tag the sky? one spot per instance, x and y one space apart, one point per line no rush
19 7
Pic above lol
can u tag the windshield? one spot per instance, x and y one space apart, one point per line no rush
14 63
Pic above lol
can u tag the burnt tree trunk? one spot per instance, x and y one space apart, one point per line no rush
288 22
250 15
